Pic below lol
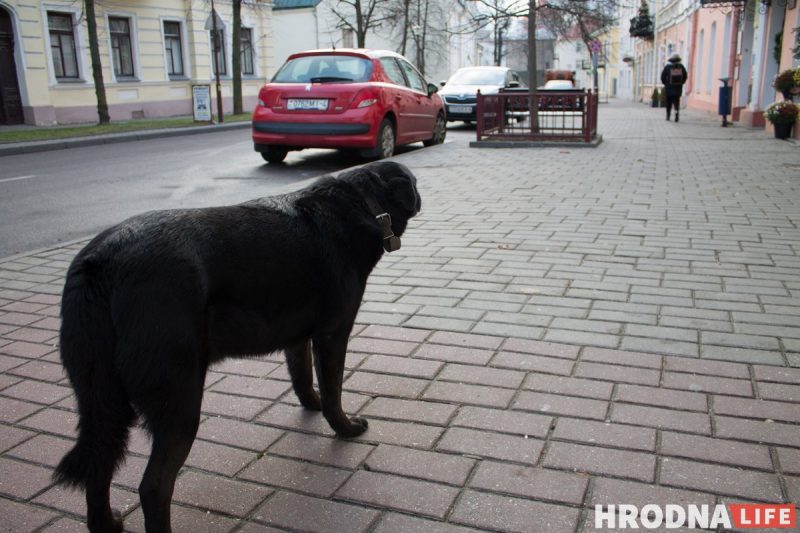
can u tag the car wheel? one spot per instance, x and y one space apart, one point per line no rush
384 146
274 154
439 132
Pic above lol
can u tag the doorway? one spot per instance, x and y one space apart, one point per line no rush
10 98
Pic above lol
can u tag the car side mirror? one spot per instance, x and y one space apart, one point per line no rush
432 89
513 84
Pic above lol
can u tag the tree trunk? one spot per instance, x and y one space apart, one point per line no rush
361 31
97 65
533 81
237 57
498 43
406 17
422 25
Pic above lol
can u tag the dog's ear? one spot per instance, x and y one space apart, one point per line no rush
397 183
404 192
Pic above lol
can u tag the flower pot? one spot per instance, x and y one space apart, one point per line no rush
783 130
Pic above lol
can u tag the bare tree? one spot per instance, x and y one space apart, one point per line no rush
421 28
494 15
360 16
236 59
97 65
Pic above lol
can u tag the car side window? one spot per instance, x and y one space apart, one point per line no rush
414 79
392 70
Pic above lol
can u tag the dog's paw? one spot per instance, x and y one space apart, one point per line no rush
311 401
356 427
111 523
117 522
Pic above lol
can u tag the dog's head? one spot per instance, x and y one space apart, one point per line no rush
392 187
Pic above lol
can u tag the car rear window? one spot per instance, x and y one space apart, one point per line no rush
558 84
324 69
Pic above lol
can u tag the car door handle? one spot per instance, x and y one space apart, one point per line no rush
398 97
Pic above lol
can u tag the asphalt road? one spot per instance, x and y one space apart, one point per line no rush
52 197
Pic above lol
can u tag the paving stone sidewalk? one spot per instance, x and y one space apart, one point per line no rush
563 327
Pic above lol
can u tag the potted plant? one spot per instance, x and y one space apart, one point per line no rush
796 88
782 115
655 98
785 83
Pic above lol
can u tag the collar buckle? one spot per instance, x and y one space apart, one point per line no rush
391 242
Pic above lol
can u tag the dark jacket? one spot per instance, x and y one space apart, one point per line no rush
673 77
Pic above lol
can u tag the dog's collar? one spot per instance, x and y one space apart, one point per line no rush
391 242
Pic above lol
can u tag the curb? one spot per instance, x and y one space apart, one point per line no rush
113 138
594 143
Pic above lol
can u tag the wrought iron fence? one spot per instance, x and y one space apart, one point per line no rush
559 116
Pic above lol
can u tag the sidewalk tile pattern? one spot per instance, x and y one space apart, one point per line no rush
562 328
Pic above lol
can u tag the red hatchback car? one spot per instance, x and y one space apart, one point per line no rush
369 100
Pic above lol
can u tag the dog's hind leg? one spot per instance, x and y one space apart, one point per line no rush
298 359
172 415
104 440
115 428
329 356
105 413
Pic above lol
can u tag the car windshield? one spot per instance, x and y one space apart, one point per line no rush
478 76
324 69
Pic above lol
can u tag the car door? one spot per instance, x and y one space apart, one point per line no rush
424 108
402 99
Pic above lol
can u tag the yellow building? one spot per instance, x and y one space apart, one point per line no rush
608 73
152 53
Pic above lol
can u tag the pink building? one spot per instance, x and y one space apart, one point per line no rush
712 55
723 39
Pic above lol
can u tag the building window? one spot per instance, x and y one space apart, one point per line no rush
699 61
246 41
347 38
712 48
173 48
218 44
121 49
62 45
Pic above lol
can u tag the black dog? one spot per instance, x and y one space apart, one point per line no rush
149 304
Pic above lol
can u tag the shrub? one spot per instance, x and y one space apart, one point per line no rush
785 81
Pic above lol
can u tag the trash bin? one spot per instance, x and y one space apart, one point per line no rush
725 97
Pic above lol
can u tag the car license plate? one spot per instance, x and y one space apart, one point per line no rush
305 104
463 109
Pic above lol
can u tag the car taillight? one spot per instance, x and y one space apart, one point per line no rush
365 98
368 102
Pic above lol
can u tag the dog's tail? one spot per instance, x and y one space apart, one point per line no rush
87 352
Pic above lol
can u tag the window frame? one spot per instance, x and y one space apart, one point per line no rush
54 35
243 52
407 67
223 52
348 38
399 70
131 35
168 57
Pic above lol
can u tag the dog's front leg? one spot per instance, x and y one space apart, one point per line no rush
329 355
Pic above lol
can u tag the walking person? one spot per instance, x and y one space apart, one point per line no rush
673 77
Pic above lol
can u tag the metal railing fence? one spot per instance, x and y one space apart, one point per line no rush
560 116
